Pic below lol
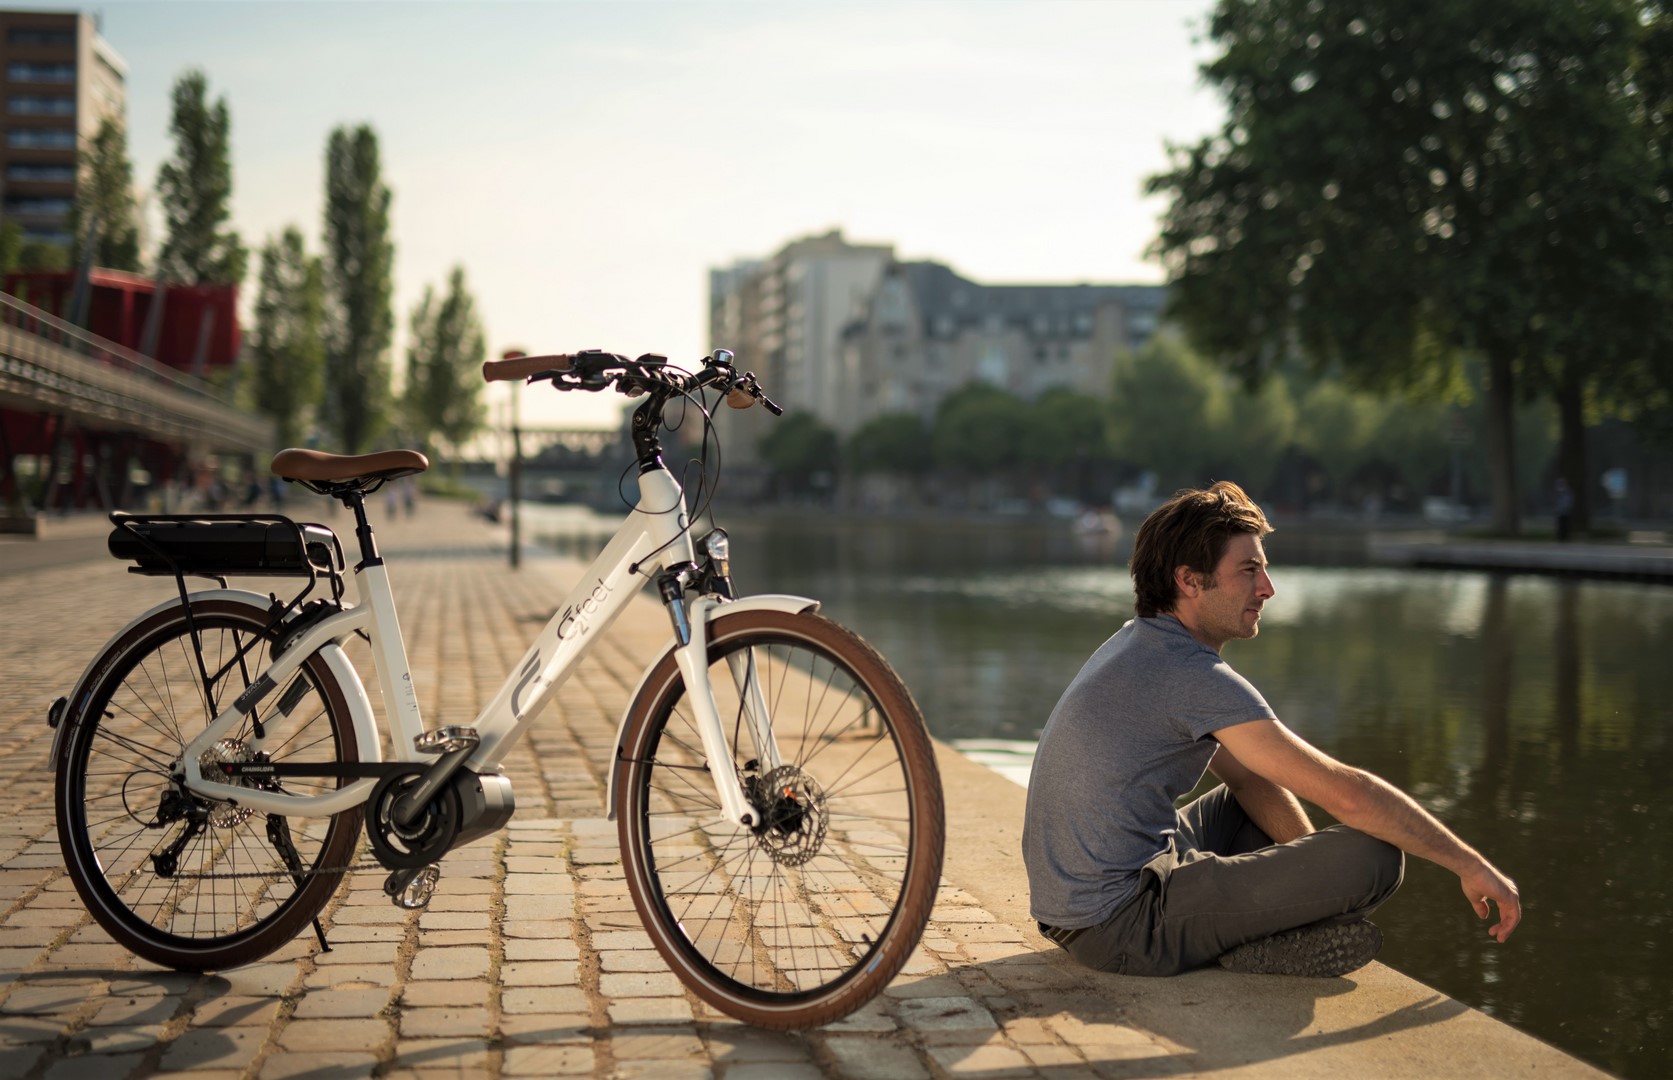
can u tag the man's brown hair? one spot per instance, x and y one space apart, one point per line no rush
1191 529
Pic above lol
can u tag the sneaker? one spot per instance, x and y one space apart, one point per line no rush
1319 951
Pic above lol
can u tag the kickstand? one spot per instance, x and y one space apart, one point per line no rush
324 945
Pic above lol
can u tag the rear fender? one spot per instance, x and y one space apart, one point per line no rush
766 602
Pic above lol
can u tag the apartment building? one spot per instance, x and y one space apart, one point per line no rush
847 332
784 315
928 331
59 79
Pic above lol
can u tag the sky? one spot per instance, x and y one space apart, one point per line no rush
587 163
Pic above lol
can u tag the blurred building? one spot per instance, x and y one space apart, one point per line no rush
847 332
59 80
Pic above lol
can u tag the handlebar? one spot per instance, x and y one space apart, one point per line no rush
523 367
649 374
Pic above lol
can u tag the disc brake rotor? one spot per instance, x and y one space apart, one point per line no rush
793 816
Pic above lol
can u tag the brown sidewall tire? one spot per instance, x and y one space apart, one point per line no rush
133 933
787 1011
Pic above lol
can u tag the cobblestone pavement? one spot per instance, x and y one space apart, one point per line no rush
530 960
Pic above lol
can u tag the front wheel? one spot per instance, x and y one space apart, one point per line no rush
807 915
179 880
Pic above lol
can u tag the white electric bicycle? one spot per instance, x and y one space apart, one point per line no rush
774 787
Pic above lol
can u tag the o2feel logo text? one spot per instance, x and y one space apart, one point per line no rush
577 619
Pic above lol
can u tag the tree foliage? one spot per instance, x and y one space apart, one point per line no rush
105 200
445 350
894 443
1401 187
19 253
980 428
359 262
195 187
287 351
802 453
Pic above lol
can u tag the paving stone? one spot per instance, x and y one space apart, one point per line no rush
543 999
628 984
201 1048
746 1045
456 993
235 1010
549 1061
89 1067
986 1060
540 973
650 1010
318 1066
546 1028
656 1043
333 1004
450 963
858 1057
435 1057
444 1022
520 950
340 1034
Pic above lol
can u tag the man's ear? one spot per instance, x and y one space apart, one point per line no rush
1185 580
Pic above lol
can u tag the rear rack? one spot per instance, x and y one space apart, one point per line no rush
217 546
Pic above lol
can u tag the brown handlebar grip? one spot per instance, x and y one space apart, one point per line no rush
740 399
521 367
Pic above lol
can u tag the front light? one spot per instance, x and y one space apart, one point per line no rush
719 546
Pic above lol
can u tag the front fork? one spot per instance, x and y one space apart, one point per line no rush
691 653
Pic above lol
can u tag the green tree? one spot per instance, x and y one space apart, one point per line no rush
195 187
1399 187
803 454
980 428
288 353
359 264
896 443
20 253
445 350
105 200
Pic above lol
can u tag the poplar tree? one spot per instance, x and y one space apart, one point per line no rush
105 200
359 262
287 351
196 191
446 347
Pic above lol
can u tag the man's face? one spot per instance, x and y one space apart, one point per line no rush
1231 607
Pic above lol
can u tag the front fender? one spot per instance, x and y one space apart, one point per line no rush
354 692
793 605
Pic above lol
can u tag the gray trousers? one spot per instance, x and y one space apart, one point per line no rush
1224 882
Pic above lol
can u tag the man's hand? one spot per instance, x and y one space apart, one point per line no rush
1486 883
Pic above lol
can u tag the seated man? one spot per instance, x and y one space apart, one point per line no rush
1125 882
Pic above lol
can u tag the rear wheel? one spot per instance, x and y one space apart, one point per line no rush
805 917
183 881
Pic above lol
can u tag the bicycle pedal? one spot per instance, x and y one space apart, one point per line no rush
412 889
445 740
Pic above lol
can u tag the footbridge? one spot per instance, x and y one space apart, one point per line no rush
83 419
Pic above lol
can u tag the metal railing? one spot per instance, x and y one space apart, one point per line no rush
47 364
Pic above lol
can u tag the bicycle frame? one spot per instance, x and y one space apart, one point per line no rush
655 534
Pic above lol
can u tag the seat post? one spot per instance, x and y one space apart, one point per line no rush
355 500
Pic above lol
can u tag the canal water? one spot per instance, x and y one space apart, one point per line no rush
1532 715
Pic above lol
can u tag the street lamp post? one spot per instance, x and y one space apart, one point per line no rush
514 472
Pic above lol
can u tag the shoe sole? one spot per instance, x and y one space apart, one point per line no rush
1320 951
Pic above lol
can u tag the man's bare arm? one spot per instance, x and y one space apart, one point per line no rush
1278 812
1374 806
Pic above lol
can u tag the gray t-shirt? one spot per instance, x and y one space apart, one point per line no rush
1129 736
